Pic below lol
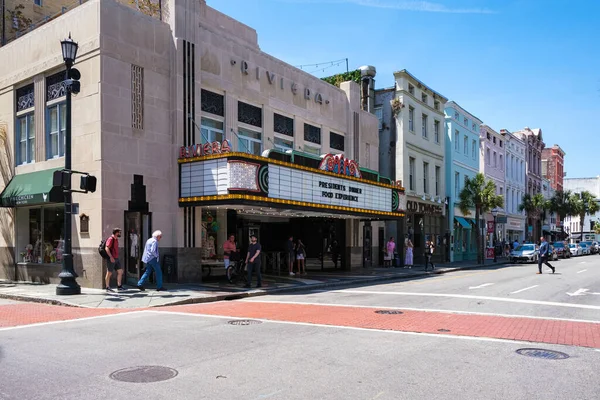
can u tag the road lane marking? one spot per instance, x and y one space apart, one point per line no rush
583 270
582 262
522 290
260 300
578 292
437 278
481 286
466 296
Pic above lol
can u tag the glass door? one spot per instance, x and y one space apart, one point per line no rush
137 232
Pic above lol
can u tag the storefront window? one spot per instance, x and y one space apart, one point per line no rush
40 234
249 141
283 144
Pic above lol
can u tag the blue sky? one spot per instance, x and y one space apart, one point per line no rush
512 63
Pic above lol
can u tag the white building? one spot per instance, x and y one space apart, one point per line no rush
572 223
515 186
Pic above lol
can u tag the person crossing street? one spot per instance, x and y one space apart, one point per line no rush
544 253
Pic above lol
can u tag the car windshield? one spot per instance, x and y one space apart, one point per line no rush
525 247
572 246
559 245
583 244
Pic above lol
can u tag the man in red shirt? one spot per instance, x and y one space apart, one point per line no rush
229 248
113 264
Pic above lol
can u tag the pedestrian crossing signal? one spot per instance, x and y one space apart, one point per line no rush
88 183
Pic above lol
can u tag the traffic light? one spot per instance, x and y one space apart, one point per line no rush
88 183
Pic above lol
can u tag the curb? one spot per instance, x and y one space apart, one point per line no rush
242 295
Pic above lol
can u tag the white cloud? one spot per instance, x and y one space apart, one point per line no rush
406 5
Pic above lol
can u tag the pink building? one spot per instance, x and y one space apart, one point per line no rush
492 164
533 158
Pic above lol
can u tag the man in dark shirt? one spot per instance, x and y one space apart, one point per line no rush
290 255
253 262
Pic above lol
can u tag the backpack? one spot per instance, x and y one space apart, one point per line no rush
102 249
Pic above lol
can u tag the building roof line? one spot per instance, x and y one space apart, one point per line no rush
404 71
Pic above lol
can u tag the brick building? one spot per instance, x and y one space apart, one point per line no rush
553 166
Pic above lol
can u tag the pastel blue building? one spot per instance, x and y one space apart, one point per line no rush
462 161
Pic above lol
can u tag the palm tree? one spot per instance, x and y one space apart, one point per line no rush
583 204
480 195
562 205
535 206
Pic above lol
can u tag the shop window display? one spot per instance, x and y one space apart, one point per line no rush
210 230
40 237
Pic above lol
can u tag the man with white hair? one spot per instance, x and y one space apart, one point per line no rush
150 258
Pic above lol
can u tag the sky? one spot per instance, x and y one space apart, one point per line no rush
511 63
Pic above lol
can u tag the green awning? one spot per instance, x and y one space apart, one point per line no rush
465 224
30 189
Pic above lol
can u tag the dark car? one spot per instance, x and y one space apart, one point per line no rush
561 250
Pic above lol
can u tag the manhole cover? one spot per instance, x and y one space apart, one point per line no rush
443 330
144 374
542 353
388 312
244 322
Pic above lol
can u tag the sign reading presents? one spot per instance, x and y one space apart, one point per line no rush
206 149
338 164
416 207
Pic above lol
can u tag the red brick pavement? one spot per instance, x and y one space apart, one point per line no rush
584 334
32 313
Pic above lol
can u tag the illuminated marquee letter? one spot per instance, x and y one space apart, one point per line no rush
225 147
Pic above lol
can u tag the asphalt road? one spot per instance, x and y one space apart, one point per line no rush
283 359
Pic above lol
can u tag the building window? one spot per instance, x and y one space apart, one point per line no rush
249 141
437 180
424 125
500 143
25 98
466 145
488 136
425 175
436 105
494 139
312 134
456 143
315 150
501 162
379 115
212 103
43 230
25 139
473 146
210 131
456 184
137 97
466 120
473 127
56 86
495 160
424 98
283 144
436 131
411 89
57 125
488 158
283 125
37 2
249 114
336 141
411 173
411 119
456 116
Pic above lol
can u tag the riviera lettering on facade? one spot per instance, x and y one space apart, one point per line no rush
198 150
338 164
272 79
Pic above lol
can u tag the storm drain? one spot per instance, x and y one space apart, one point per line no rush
244 322
144 374
443 330
388 312
542 353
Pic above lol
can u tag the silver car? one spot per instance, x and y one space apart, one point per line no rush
575 249
526 252
586 250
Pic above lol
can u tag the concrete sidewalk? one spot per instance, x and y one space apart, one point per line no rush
217 289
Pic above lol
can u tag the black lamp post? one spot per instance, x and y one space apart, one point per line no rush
494 214
68 284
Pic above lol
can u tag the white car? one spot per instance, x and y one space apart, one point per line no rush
586 250
575 249
526 252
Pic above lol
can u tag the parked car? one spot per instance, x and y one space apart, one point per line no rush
595 247
562 250
592 245
526 252
585 249
575 249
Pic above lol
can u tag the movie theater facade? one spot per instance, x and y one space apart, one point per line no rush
200 134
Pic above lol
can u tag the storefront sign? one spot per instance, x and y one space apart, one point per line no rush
26 199
338 164
198 150
273 79
514 224
416 207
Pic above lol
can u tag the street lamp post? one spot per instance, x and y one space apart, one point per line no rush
68 284
494 214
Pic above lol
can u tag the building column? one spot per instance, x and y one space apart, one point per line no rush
39 91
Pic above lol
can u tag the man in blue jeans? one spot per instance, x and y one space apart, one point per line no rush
544 254
150 258
253 262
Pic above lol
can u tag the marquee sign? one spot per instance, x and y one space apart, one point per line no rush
198 150
338 164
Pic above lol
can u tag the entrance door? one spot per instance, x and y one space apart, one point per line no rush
367 245
138 227
382 245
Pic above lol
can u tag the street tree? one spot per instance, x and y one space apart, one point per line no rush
561 204
534 206
583 204
479 194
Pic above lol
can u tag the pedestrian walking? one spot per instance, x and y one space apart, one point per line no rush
390 248
301 257
408 260
150 258
253 262
516 244
429 249
543 257
113 264
290 255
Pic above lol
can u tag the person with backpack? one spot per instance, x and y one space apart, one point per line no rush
113 263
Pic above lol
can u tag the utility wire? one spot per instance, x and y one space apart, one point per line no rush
324 65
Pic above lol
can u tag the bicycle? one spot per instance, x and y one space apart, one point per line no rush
236 272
